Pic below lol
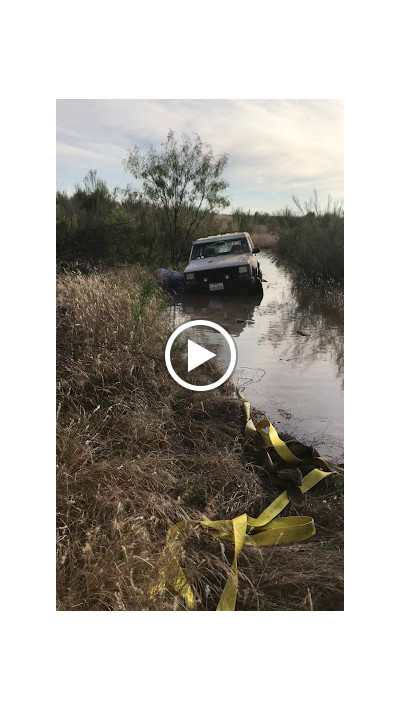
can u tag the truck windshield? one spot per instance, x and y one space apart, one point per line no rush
214 249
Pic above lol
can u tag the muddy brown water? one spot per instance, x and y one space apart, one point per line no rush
290 352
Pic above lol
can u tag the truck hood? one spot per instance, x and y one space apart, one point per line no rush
220 262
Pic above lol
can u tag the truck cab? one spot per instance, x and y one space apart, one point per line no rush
223 263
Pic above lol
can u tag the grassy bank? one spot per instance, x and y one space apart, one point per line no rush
314 245
308 238
137 453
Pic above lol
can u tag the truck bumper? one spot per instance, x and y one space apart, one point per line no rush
230 286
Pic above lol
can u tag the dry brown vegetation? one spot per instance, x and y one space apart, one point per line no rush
137 453
262 238
260 235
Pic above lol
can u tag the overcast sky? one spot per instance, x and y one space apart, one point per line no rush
276 148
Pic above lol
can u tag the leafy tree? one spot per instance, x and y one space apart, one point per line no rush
184 181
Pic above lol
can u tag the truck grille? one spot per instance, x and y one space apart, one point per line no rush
217 275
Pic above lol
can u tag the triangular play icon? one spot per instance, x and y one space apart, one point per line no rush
197 355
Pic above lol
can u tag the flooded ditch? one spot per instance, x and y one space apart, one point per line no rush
290 352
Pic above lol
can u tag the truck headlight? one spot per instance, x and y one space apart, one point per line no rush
189 276
243 271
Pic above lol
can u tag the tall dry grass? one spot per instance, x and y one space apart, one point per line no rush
262 238
137 453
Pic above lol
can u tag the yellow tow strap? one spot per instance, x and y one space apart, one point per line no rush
265 530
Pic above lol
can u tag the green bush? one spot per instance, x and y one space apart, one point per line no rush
313 241
97 226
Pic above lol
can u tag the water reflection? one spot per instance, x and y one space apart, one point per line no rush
232 311
310 324
290 352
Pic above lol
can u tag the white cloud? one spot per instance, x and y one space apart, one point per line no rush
64 149
276 147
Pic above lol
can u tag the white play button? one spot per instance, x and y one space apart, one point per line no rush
197 355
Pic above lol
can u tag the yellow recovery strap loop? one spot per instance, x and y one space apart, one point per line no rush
265 530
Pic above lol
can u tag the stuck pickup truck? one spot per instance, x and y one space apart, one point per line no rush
223 263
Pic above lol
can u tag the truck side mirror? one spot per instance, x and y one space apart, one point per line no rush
256 250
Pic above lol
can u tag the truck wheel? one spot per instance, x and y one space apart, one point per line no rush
258 289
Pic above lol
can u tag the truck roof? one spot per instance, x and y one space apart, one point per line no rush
228 235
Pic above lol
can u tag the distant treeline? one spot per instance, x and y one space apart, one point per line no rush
98 226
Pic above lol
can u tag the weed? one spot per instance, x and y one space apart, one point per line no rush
136 453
